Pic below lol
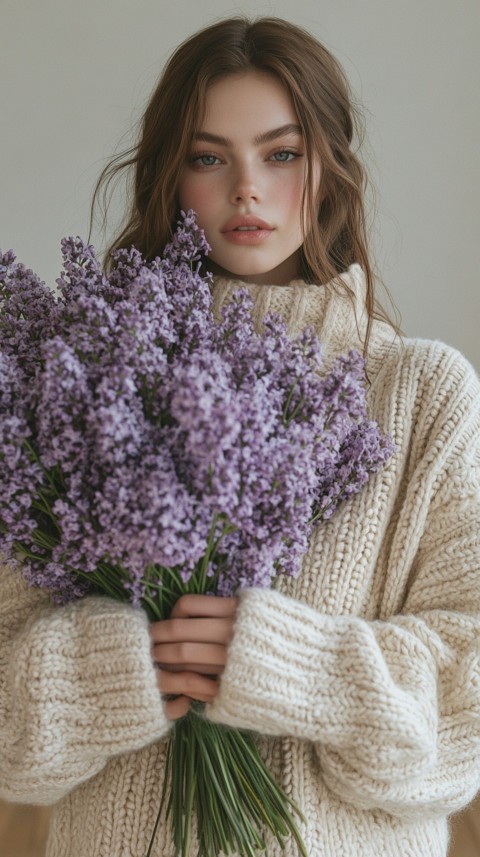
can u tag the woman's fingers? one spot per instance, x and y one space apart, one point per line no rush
196 636
176 708
210 630
203 669
210 655
188 684
189 606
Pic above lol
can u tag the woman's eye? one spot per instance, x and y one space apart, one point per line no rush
204 160
284 156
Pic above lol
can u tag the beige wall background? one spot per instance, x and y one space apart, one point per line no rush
75 78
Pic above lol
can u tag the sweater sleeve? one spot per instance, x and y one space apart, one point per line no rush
392 707
77 686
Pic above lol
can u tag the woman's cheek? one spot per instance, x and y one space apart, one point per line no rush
196 193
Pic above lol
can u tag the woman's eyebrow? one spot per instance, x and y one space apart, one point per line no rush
266 137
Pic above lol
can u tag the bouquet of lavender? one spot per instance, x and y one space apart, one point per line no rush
148 450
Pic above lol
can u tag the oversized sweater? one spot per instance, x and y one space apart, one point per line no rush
361 676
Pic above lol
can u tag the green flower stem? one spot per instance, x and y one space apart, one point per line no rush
232 792
224 775
42 505
230 809
286 416
248 759
190 783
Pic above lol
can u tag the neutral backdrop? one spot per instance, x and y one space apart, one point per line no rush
75 78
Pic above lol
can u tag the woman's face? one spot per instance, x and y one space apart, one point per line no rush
244 178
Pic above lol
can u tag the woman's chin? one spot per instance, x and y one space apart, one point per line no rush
278 276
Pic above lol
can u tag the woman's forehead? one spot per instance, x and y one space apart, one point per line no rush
253 104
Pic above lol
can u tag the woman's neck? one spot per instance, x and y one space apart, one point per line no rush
282 275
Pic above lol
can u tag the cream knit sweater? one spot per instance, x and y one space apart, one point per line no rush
362 675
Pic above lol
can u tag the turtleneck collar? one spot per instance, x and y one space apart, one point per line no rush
336 309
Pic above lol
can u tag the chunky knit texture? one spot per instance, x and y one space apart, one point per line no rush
362 675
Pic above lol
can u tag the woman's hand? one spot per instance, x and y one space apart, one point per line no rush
190 650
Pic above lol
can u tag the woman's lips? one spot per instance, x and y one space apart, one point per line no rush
246 229
247 236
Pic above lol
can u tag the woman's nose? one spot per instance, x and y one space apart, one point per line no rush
245 186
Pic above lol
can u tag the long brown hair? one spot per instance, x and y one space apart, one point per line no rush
328 118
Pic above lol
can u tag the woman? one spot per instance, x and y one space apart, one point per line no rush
362 675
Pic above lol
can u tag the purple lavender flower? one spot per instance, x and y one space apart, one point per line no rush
20 475
82 274
28 312
146 439
62 398
188 243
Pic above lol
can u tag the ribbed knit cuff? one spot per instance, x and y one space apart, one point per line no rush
293 671
91 681
268 684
